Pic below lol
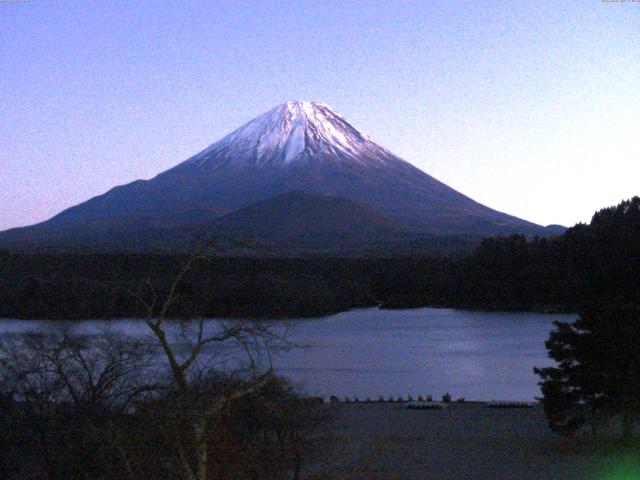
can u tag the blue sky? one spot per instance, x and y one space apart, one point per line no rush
532 108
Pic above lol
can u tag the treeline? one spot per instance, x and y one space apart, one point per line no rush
598 260
107 286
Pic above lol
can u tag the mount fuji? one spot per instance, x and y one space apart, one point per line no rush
301 147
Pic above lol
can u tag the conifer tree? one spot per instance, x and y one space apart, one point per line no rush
597 378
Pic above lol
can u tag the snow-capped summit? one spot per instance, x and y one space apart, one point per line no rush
294 131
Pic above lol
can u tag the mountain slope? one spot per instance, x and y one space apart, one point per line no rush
298 214
298 223
297 146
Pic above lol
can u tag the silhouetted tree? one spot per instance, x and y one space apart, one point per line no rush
65 391
598 372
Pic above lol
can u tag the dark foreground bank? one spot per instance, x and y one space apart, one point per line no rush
379 441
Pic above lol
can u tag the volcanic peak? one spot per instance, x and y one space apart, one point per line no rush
294 131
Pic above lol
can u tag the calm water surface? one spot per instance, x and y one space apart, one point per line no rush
371 352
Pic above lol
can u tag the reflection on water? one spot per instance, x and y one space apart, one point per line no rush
371 352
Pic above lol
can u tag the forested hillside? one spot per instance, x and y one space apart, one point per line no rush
590 261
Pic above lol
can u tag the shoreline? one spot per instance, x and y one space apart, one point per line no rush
321 314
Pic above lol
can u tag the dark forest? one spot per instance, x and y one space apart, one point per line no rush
589 261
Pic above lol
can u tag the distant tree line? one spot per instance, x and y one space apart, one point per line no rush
598 261
590 261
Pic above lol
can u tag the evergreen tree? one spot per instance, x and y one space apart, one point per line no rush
598 373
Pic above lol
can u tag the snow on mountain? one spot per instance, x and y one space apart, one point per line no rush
294 131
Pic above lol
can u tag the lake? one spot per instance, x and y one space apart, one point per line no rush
371 352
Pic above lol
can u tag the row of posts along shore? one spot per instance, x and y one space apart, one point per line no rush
446 398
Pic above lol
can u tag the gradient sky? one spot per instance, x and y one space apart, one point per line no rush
532 108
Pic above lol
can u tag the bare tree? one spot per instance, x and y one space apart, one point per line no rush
194 399
197 405
65 388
